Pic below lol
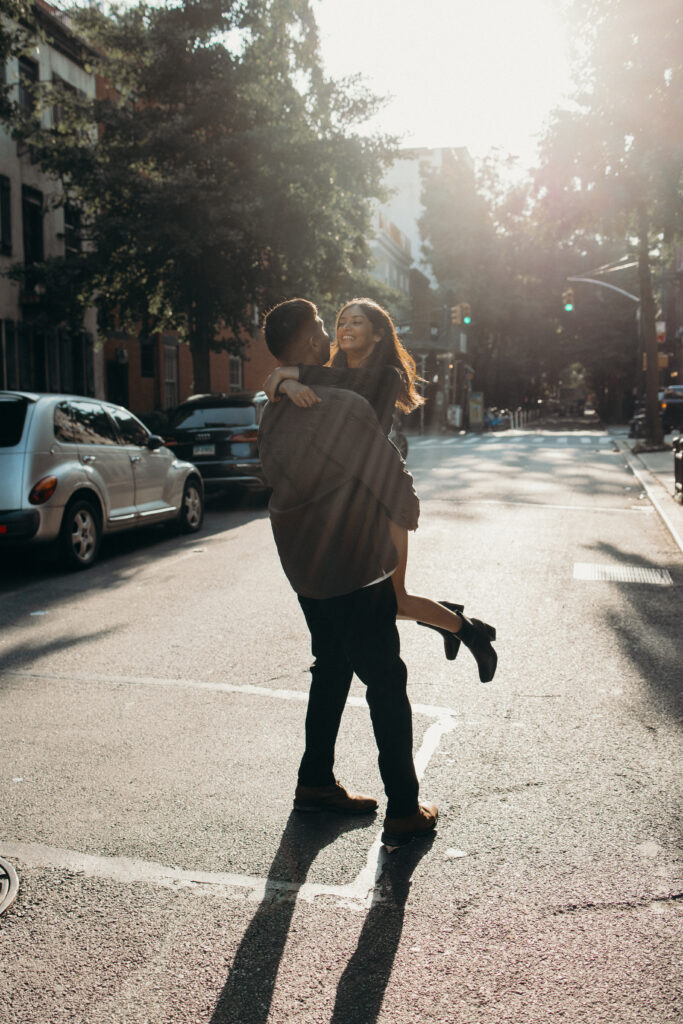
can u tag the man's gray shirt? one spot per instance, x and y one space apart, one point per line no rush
335 478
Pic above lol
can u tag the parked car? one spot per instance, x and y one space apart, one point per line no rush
73 469
671 408
219 433
670 411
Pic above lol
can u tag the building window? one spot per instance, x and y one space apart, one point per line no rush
170 375
235 373
72 230
32 213
63 87
28 79
148 351
5 217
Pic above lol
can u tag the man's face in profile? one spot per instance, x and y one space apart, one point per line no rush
322 340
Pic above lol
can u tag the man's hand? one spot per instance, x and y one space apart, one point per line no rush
279 374
299 394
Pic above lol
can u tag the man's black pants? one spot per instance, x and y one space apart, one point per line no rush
357 633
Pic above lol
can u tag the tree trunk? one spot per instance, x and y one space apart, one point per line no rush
648 331
201 358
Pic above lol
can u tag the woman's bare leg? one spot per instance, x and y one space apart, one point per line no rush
411 606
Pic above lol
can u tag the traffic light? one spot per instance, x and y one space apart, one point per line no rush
466 313
456 315
568 300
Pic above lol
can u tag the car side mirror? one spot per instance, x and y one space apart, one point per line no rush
154 442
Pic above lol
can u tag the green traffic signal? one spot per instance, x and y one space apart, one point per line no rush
568 300
569 307
466 314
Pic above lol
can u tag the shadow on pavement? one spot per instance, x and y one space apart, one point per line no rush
362 986
650 634
15 658
248 991
22 568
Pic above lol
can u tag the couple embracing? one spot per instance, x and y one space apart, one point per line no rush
341 507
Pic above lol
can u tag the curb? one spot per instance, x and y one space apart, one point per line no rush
654 490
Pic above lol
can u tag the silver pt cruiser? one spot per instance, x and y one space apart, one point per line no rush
74 468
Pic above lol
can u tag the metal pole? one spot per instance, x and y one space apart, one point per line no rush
604 284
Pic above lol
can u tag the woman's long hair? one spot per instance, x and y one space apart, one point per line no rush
387 352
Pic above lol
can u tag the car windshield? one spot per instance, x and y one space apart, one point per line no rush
192 418
12 416
675 392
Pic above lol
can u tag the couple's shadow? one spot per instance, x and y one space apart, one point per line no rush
247 994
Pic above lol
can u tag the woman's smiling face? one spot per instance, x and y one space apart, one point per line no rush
356 337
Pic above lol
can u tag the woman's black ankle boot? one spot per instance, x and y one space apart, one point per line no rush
451 641
489 630
476 636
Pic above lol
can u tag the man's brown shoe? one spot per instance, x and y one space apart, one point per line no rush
399 831
332 798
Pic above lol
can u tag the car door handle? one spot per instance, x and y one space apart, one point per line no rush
88 458
135 458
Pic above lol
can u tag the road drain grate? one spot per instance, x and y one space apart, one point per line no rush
622 574
9 885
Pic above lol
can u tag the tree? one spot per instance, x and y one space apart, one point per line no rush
226 171
613 162
484 248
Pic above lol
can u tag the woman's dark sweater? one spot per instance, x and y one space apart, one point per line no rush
379 385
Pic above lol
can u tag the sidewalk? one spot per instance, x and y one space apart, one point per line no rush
655 471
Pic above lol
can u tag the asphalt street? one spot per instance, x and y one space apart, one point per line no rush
152 718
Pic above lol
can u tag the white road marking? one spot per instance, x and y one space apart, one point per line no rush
129 870
539 505
429 710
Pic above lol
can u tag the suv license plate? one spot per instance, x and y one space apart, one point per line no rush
204 449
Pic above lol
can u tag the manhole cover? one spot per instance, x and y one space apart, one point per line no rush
9 885
622 574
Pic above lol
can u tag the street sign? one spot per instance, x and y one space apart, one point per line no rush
476 408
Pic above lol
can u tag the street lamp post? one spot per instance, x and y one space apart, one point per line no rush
652 409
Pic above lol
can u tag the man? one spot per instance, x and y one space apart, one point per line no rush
335 479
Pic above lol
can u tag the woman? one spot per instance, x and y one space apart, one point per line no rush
368 357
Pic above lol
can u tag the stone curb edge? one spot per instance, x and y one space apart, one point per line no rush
654 490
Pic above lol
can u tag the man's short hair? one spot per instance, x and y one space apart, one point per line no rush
285 322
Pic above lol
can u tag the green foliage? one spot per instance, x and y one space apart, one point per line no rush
226 169
18 32
609 185
614 162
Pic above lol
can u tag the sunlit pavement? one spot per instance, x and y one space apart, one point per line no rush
152 715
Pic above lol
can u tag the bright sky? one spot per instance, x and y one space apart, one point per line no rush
474 73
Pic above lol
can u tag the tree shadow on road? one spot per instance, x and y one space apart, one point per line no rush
650 633
248 991
14 659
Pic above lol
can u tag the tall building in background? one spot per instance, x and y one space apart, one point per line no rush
405 179
35 353
427 331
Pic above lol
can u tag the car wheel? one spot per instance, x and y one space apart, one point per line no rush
80 536
191 513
